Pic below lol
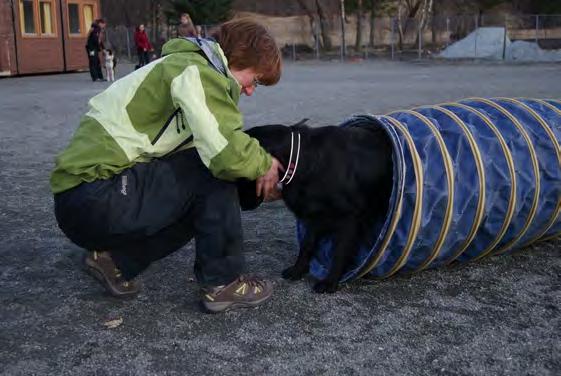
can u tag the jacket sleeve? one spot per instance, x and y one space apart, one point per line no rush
216 122
91 43
137 41
141 41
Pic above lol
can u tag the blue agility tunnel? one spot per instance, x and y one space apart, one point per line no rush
473 178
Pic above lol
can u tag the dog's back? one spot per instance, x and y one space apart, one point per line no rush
340 187
345 172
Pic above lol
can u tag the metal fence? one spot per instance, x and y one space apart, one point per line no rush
467 36
121 39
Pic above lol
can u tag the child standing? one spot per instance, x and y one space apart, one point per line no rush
109 65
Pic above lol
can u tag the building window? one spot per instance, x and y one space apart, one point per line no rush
45 9
81 15
74 18
88 16
27 16
37 18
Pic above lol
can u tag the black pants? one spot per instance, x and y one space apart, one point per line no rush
95 66
153 209
143 57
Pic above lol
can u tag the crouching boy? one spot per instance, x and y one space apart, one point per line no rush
152 163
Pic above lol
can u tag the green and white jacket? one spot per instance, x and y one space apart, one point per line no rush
176 102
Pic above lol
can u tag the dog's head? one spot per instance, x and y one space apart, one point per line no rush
275 138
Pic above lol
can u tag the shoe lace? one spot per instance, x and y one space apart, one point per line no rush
253 281
244 283
119 277
116 272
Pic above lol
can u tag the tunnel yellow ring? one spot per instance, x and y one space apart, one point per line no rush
480 210
448 214
558 111
547 104
535 166
511 170
417 210
417 167
550 237
551 135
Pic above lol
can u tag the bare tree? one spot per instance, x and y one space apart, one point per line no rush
324 26
318 8
359 15
377 7
155 20
311 18
372 23
343 21
424 18
406 9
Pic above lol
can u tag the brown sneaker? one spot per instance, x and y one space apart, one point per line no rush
243 292
101 266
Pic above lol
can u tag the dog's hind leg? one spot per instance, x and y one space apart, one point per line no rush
346 241
302 264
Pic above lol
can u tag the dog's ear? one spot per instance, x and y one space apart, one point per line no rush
301 122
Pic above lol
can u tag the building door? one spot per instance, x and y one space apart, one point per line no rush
79 15
38 36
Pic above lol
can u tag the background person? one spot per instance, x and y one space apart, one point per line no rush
154 160
186 28
94 45
143 46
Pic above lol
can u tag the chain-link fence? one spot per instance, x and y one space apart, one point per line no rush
511 37
121 39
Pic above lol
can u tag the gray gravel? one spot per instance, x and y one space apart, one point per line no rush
498 316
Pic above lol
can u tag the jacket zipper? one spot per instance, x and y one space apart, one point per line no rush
166 125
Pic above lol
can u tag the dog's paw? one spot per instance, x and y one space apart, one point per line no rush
325 287
293 273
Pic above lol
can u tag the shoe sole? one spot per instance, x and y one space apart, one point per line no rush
98 274
217 307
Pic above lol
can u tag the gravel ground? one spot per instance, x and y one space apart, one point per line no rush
498 316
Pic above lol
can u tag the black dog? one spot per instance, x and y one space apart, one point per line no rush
338 183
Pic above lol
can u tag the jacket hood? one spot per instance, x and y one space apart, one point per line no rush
179 45
209 48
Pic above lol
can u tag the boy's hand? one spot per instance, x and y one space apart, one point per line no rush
266 186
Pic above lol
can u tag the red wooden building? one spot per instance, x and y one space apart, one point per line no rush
40 36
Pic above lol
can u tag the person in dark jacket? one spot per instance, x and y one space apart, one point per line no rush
94 45
143 46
